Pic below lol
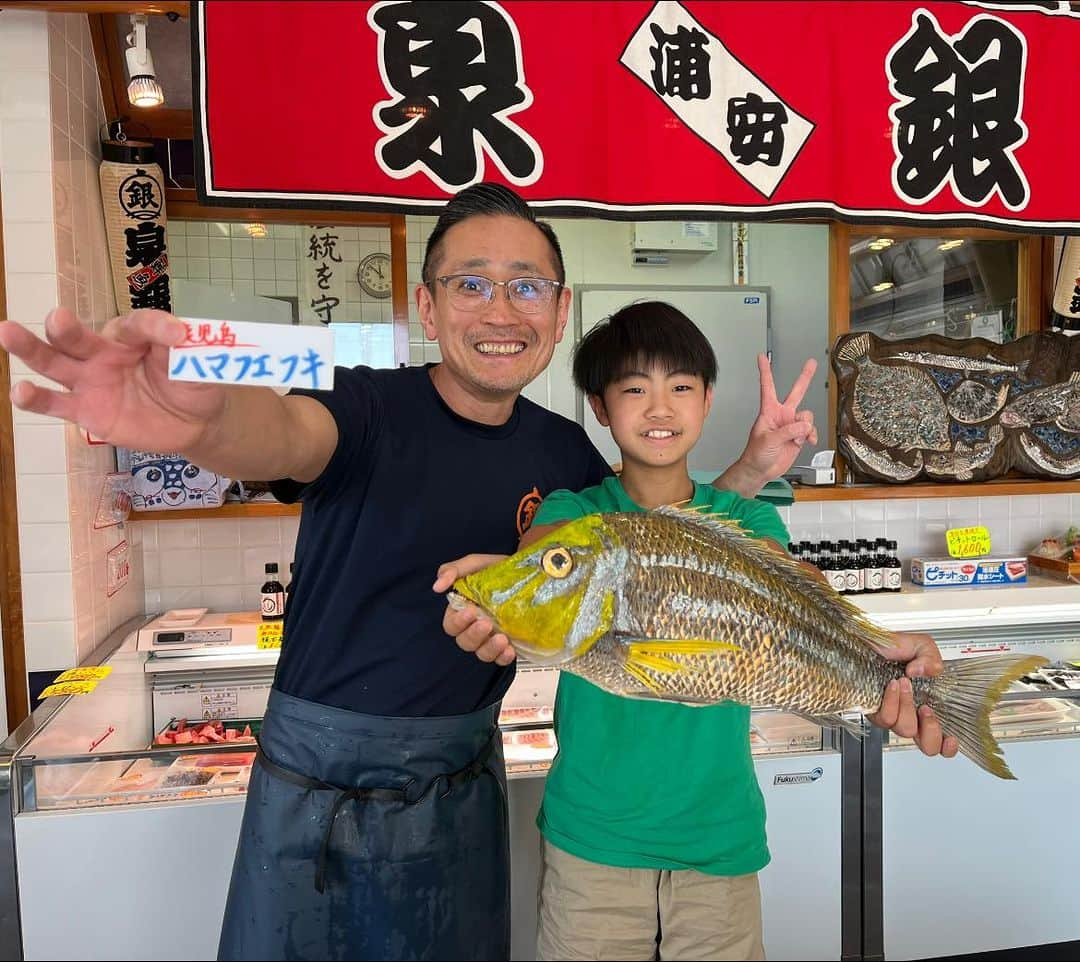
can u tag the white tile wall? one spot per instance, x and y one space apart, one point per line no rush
226 255
217 563
55 253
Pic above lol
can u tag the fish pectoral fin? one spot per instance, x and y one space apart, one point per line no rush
641 677
656 655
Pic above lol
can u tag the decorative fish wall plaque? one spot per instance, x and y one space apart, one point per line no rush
937 408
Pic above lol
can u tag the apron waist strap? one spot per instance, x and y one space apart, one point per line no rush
472 770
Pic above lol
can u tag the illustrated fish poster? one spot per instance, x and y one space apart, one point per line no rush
935 408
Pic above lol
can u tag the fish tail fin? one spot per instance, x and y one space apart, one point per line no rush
964 695
856 348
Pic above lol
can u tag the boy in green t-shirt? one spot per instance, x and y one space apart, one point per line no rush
652 820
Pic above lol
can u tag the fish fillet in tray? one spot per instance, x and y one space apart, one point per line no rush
118 782
525 715
529 750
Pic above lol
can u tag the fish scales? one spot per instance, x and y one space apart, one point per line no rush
677 606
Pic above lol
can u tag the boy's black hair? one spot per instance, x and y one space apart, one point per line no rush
485 200
637 337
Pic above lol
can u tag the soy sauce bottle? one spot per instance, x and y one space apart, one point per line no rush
272 595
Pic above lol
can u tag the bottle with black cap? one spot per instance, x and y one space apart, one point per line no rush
272 595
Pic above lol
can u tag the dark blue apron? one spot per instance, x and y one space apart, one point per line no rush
367 837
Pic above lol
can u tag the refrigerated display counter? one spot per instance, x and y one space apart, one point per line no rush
958 861
121 806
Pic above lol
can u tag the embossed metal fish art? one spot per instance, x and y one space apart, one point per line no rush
882 463
958 362
1044 404
965 459
1061 466
677 606
896 404
972 401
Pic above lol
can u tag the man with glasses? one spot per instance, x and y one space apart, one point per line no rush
375 824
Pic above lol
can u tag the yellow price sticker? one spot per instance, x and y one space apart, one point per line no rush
269 634
84 674
70 688
968 542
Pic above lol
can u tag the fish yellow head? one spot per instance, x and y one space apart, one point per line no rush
555 598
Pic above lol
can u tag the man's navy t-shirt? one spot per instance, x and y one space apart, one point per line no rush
410 486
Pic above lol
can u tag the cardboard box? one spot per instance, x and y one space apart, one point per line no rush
948 572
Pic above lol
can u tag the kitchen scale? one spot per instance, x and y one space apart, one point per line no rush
184 639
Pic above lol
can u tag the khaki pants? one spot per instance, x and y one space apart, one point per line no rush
591 911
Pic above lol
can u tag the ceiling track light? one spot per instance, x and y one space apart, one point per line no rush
143 89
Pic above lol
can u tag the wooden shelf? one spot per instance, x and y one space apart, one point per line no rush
981 489
252 509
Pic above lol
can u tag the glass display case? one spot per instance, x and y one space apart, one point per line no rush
938 833
135 786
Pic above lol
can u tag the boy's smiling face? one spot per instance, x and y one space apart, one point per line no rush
655 417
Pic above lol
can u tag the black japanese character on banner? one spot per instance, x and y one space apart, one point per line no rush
681 63
457 74
960 120
323 247
154 295
756 129
144 243
323 276
324 306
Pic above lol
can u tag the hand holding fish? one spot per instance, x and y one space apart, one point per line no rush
471 630
898 712
673 605
776 437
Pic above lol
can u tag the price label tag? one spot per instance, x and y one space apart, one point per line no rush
70 688
270 634
84 674
968 542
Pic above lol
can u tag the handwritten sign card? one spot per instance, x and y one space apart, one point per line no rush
242 352
968 542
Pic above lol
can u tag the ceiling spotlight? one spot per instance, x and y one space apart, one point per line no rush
882 286
950 245
143 90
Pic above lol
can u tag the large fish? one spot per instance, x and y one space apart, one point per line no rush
674 605
896 404
1055 402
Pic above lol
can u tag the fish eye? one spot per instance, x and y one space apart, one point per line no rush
557 562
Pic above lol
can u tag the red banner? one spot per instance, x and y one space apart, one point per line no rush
943 113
